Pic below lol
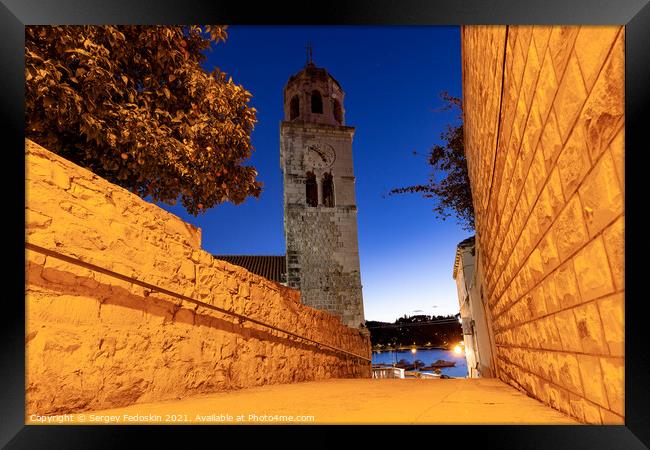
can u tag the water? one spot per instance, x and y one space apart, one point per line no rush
427 356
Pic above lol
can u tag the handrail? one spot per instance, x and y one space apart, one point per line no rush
154 288
383 372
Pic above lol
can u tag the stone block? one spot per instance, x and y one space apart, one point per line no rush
569 373
121 311
554 340
531 233
61 272
573 162
546 88
36 220
69 309
551 141
535 265
549 254
560 45
612 314
592 379
529 192
537 303
592 270
34 257
601 195
554 189
590 329
592 45
541 35
617 151
521 112
570 98
551 298
568 330
566 286
187 270
614 380
555 396
609 418
564 404
184 316
59 176
537 172
531 72
518 64
614 239
550 360
591 413
604 110
576 405
569 230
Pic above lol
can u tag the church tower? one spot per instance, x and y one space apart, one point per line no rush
320 212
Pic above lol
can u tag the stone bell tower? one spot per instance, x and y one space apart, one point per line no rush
320 212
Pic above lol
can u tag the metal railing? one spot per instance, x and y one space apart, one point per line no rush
155 288
387 372
396 372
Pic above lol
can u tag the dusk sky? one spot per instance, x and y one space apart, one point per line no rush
392 77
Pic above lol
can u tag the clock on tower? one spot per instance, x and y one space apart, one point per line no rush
320 156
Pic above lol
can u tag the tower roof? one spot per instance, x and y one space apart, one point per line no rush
310 71
314 96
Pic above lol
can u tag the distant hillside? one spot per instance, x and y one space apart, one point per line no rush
421 330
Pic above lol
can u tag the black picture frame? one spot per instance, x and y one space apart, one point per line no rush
634 14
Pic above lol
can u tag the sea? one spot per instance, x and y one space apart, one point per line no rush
427 356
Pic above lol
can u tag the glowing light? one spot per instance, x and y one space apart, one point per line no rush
458 350
413 351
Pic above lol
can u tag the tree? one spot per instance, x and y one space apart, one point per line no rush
448 183
134 105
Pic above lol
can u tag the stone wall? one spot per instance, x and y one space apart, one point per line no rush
94 341
544 136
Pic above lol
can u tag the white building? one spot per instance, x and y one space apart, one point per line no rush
476 335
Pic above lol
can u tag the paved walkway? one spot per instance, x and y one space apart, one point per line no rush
349 401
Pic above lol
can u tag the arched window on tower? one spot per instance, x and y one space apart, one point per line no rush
311 189
294 108
338 111
316 102
328 190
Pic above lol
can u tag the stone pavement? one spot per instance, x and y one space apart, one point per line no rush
350 401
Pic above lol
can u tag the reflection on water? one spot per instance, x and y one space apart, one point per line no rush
427 356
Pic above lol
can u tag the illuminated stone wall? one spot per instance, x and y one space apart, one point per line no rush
94 341
544 135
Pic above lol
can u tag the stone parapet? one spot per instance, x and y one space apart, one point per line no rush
94 341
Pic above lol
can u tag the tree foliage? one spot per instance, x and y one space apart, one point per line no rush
134 105
448 183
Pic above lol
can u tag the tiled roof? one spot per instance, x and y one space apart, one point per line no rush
270 267
467 242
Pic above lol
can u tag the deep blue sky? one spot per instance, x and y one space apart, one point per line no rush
392 77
